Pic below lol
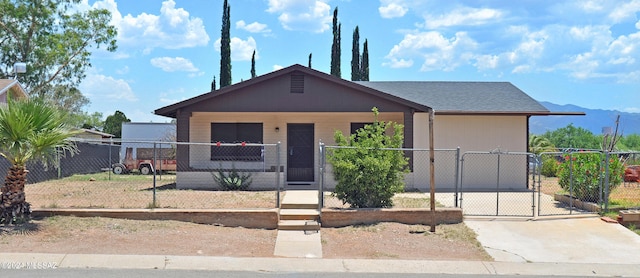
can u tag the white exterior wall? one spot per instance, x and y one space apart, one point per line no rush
153 132
325 125
472 133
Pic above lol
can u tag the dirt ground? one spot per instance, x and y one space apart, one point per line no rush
62 234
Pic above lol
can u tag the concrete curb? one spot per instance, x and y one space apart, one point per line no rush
302 265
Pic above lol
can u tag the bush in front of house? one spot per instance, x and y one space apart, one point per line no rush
366 175
587 170
549 167
232 180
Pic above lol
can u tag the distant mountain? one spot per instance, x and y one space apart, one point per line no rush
594 121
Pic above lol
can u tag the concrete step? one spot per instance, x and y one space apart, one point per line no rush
298 225
299 206
299 214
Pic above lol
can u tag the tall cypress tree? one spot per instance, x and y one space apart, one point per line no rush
310 59
225 47
355 56
335 46
253 64
364 68
213 84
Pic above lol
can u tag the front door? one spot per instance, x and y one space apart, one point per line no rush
300 153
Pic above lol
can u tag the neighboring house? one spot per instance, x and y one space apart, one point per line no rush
94 136
11 87
135 134
300 107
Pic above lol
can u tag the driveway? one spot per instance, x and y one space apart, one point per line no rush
569 240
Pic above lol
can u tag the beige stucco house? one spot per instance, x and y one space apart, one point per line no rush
11 88
300 107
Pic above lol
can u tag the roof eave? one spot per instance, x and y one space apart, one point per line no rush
509 113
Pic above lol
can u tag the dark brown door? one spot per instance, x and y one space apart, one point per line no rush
300 153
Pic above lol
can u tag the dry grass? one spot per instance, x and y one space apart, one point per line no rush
399 241
136 191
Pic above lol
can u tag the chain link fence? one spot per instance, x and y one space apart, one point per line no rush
587 181
134 174
127 175
416 181
496 184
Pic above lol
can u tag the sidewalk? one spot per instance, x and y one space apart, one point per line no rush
300 265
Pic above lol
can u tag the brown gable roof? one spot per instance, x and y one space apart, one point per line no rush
171 110
12 85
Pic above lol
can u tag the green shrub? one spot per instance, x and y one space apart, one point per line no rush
549 167
368 177
232 180
587 170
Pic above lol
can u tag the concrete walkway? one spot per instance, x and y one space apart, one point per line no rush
297 243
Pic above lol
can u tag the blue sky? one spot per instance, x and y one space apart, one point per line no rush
578 52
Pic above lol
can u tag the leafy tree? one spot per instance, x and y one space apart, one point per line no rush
539 144
364 75
113 123
368 175
335 46
355 56
30 130
86 120
573 137
630 142
55 41
225 46
253 65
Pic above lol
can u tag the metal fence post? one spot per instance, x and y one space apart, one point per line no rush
571 183
457 175
155 157
498 187
321 156
277 170
607 156
461 178
110 163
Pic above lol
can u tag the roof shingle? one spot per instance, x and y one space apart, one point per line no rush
492 97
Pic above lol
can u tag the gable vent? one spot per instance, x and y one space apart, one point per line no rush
297 83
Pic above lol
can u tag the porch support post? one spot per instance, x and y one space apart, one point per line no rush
182 135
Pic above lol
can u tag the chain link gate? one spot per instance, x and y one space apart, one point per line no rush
496 183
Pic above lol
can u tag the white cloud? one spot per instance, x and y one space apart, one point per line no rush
254 27
392 9
625 10
170 64
464 16
123 70
302 15
436 51
240 50
172 28
100 87
277 67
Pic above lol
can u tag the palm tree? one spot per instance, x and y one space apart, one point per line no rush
539 144
30 130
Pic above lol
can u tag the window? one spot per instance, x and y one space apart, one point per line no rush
356 126
236 133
